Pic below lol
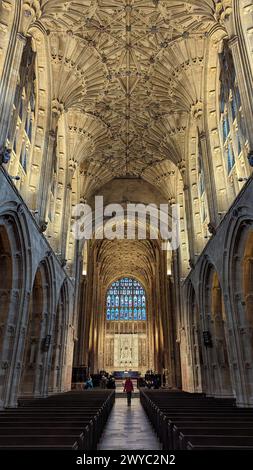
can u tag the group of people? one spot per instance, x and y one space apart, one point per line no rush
107 381
152 380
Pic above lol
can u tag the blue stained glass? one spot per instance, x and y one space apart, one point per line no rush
222 100
226 128
230 105
201 184
233 108
237 97
27 124
121 297
231 158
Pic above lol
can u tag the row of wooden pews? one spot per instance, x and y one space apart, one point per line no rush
73 420
186 421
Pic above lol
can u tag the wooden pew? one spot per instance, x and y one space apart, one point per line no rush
176 416
68 421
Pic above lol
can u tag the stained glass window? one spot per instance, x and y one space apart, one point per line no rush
20 133
231 116
201 185
126 300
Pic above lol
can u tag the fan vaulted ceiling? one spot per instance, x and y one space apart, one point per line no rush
128 73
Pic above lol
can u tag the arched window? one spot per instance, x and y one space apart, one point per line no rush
232 126
202 186
53 183
23 114
126 300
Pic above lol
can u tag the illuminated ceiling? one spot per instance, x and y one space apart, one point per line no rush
128 73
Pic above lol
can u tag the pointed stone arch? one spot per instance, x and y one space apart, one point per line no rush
59 341
15 284
35 371
217 355
240 256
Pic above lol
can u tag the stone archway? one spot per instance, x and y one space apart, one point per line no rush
196 356
241 281
218 377
37 343
59 339
220 339
247 279
11 302
6 282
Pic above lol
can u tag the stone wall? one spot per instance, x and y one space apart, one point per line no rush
36 305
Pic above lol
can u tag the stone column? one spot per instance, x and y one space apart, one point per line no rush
72 166
209 178
18 353
101 327
50 148
43 195
189 222
41 363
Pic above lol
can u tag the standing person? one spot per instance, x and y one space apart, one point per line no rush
103 382
129 388
89 383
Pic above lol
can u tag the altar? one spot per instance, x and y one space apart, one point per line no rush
118 374
126 351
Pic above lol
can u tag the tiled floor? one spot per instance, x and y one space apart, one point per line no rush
128 428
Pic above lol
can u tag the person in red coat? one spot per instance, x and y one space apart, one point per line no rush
129 388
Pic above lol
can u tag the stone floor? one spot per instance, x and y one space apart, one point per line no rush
128 428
